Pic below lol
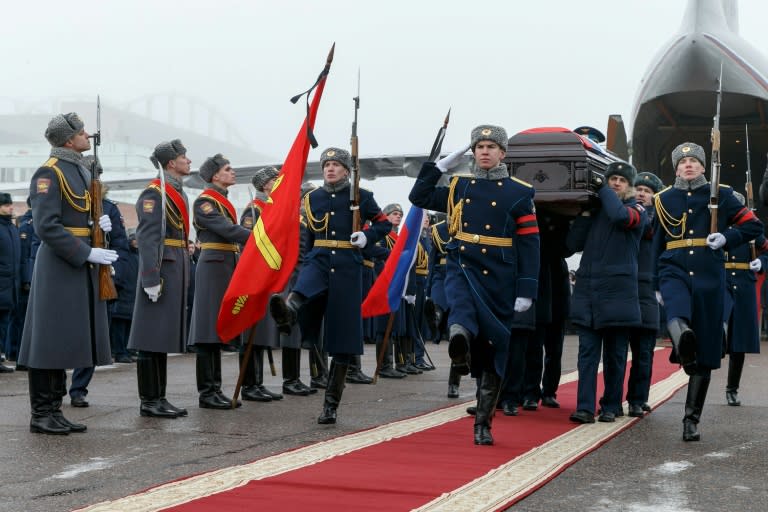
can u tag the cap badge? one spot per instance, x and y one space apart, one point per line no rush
486 131
331 153
685 149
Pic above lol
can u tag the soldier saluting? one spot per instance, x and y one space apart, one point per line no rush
65 282
691 271
159 313
219 233
495 241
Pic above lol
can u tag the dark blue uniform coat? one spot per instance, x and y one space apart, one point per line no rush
483 280
741 302
337 272
692 279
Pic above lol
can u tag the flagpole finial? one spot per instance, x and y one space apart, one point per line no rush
330 54
447 117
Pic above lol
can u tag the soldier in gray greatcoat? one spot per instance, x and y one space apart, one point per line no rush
159 313
219 234
66 323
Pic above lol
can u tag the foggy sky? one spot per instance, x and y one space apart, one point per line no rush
515 63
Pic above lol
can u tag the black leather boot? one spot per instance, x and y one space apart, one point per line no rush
254 377
735 367
318 364
59 388
217 379
410 357
488 396
458 348
336 376
683 344
206 379
291 383
454 379
387 371
694 403
285 311
161 365
149 387
355 373
41 399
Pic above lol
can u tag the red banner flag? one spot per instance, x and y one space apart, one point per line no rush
271 253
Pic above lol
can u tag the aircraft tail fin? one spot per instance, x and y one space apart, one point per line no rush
616 141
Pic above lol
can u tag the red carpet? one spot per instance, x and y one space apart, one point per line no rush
409 472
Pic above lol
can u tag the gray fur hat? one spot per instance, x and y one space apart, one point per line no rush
688 149
307 187
167 151
622 169
490 132
337 154
5 198
394 207
211 166
262 176
62 128
650 180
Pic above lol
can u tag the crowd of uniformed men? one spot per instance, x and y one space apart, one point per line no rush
490 276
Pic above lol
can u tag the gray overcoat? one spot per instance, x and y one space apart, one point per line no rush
66 323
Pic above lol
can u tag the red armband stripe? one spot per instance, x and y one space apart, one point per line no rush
528 231
526 218
745 215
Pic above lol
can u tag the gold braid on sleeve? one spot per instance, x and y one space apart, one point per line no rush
668 222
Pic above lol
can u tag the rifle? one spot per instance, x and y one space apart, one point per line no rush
750 198
714 192
433 154
107 290
354 189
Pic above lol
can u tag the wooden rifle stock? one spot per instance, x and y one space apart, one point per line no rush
107 290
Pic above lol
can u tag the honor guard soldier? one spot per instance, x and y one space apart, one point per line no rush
743 334
642 339
331 276
691 272
419 277
66 324
266 336
159 324
493 260
220 237
605 299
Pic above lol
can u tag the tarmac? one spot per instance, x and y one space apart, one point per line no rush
646 468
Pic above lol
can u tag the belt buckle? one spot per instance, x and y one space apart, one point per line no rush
476 239
689 242
334 243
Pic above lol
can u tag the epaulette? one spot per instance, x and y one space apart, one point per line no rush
664 189
438 223
51 162
521 182
723 185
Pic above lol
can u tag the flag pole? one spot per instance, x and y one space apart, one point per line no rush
384 346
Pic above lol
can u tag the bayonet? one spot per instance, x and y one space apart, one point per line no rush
354 189
749 195
714 193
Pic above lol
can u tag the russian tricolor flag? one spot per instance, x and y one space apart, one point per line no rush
385 294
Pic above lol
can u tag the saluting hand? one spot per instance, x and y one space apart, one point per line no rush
452 160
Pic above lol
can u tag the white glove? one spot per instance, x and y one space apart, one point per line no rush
105 224
358 239
452 160
410 299
715 241
659 298
756 265
153 292
102 256
522 304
